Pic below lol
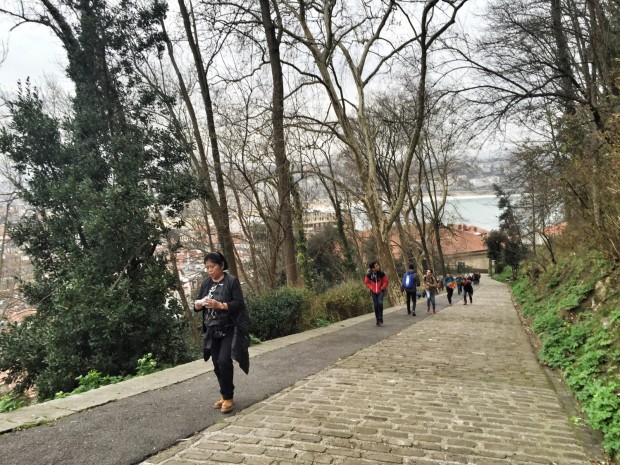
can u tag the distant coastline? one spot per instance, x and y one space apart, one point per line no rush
464 195
470 195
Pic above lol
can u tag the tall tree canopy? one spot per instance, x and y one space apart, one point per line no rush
95 183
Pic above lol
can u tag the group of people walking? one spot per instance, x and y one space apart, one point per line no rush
225 320
377 281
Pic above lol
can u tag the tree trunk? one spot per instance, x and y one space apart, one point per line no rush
4 231
563 56
219 211
279 147
412 245
332 193
440 259
402 236
386 261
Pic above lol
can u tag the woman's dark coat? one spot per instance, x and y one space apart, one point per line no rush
238 316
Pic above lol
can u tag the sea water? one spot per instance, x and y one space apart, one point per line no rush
475 210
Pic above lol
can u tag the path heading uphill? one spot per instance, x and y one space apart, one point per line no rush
462 387
459 387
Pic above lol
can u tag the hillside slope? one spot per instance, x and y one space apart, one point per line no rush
574 308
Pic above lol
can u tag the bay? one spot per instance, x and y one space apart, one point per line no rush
475 210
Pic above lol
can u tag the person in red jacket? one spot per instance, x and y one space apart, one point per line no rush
377 281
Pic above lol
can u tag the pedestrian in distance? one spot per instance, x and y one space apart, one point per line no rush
430 288
225 324
376 281
459 284
409 285
468 289
450 283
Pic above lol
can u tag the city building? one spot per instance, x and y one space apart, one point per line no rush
315 221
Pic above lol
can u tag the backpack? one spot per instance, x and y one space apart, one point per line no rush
408 281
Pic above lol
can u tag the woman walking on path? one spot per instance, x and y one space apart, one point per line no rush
450 283
430 287
225 324
376 281
468 289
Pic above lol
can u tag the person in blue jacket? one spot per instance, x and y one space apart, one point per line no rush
409 285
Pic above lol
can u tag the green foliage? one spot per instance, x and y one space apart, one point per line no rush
10 402
95 379
586 367
346 300
92 380
147 365
94 183
504 276
582 343
328 263
494 242
548 322
602 404
276 313
514 253
322 322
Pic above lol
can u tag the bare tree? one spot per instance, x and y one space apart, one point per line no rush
274 38
350 47
218 206
555 58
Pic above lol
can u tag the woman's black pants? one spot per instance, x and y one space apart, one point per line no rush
221 353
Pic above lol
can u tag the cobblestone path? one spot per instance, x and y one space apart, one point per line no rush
462 387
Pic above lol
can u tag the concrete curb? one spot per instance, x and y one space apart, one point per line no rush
52 410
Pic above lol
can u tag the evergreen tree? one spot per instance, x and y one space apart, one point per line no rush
513 251
95 183
495 242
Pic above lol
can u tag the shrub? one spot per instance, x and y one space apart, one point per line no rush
92 380
347 300
10 402
547 322
277 313
147 365
602 407
503 274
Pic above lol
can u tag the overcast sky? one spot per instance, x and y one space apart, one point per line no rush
33 51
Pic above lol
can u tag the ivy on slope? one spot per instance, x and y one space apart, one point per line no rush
574 308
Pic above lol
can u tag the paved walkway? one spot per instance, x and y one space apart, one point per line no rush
461 387
125 423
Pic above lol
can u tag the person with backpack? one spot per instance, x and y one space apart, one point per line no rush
468 289
450 283
225 324
410 282
376 281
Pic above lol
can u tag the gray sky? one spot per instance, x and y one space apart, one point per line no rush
33 51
